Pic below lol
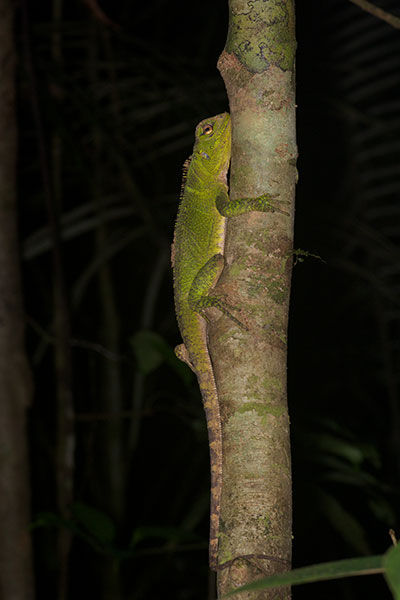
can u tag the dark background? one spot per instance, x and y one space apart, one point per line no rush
107 115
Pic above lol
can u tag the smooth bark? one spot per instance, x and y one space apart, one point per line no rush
258 69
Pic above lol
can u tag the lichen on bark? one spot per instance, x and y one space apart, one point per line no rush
261 34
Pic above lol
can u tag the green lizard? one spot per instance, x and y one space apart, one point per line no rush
197 260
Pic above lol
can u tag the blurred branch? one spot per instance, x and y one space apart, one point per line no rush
105 416
103 255
149 303
100 15
378 12
72 225
62 351
16 573
77 343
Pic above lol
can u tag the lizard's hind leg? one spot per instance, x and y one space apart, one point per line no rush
183 355
203 283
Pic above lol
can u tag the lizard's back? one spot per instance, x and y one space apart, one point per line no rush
200 228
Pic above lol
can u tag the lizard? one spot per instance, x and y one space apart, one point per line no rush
197 258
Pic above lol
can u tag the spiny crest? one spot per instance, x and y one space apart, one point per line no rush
185 170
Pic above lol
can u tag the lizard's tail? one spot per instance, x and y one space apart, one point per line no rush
213 416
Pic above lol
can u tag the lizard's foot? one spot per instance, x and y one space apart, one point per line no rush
219 303
183 355
263 204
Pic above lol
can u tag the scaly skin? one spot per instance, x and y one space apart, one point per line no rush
197 260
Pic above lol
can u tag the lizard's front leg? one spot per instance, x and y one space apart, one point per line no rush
233 208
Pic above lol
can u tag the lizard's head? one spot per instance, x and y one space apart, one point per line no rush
213 142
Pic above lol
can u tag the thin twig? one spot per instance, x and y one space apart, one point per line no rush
78 343
106 416
392 535
378 12
100 15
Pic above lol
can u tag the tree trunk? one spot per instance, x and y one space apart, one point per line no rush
16 577
258 69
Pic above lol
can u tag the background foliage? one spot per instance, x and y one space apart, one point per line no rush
114 109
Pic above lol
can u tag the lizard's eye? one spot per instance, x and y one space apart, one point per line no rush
207 129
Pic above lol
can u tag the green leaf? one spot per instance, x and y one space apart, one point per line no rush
382 510
366 565
344 522
391 562
97 523
335 445
149 349
169 534
47 519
